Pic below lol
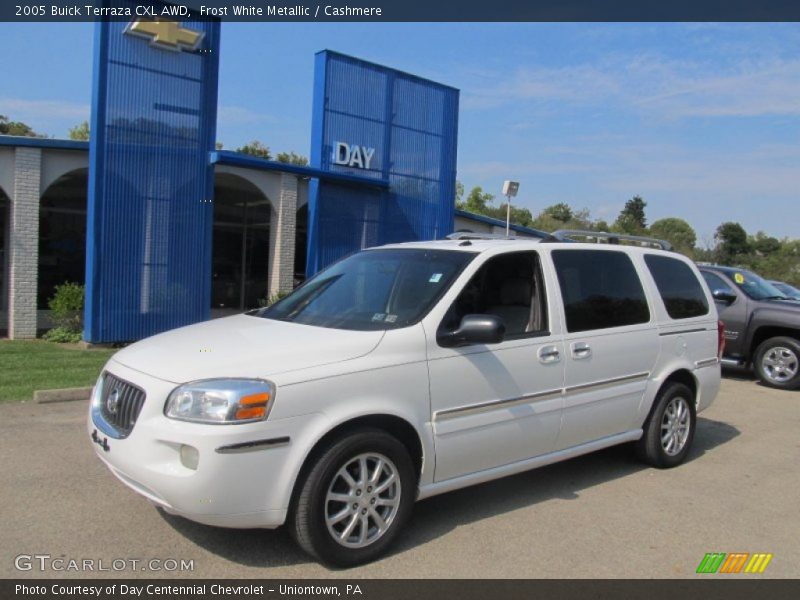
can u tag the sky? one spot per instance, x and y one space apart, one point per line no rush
701 120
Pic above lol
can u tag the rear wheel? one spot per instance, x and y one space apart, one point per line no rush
356 499
669 431
777 363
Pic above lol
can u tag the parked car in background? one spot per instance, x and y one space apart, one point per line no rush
791 292
762 327
406 371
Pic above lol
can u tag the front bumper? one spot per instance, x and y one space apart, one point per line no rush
245 472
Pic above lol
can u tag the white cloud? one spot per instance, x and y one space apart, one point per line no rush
31 111
238 115
647 84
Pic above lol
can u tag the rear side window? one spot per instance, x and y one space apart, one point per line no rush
600 289
682 293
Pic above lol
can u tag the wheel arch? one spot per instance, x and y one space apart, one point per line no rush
765 332
680 375
394 425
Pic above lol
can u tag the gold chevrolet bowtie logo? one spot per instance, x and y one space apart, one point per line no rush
169 35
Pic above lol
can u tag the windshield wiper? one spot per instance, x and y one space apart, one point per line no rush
776 298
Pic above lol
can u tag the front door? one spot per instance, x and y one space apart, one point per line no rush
497 404
732 311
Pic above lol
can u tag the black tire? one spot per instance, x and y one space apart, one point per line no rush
307 519
650 448
778 376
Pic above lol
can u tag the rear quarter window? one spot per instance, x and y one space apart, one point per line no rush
679 287
600 289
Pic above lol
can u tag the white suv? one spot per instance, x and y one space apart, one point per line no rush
406 371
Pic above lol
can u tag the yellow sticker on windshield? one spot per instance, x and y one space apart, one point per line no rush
739 278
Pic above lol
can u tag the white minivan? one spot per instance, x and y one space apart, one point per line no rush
406 371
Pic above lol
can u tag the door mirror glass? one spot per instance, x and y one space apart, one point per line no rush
723 295
475 329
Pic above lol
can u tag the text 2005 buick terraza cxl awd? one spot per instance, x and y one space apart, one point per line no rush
406 371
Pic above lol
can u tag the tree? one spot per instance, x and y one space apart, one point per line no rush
677 232
559 212
519 215
632 219
218 145
80 132
8 127
292 159
459 195
552 218
478 201
765 244
601 225
256 148
732 242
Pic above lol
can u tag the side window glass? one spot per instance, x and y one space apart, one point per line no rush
715 282
509 286
600 289
680 290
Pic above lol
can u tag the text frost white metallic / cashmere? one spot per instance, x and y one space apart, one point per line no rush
406 371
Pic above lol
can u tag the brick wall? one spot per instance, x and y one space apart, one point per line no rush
282 236
23 248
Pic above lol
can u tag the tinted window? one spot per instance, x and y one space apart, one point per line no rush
682 293
600 289
509 286
372 290
715 282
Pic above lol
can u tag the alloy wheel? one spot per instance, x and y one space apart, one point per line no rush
362 500
675 425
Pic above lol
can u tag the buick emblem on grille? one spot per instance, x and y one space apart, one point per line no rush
112 404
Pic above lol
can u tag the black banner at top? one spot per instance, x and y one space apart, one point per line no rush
407 10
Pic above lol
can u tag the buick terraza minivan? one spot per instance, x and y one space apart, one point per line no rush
406 371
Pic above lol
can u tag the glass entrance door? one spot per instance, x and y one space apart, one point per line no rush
240 255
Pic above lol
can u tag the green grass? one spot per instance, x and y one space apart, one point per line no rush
26 366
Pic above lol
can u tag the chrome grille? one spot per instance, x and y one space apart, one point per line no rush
122 411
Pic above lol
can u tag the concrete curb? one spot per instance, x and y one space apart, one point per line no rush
64 395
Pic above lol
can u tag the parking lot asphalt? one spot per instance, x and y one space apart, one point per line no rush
601 515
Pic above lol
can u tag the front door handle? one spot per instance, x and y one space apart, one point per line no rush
549 354
581 350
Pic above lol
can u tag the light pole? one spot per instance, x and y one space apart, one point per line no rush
510 189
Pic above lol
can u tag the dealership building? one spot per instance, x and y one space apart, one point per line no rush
165 230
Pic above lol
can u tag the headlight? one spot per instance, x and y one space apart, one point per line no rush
221 401
97 392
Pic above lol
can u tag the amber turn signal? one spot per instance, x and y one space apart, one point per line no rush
256 412
253 406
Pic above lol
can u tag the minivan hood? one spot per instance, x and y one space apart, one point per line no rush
243 346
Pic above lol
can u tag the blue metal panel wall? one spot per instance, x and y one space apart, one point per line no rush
412 124
148 258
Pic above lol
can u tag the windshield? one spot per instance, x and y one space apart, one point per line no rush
788 290
755 287
372 290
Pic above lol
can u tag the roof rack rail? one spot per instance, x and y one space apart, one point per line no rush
613 238
469 235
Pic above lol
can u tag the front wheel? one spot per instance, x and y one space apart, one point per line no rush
669 431
355 499
776 363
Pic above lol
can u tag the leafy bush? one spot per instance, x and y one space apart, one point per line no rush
61 335
66 308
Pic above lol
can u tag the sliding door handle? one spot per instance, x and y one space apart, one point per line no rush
581 350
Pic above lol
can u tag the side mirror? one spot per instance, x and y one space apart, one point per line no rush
723 295
475 329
